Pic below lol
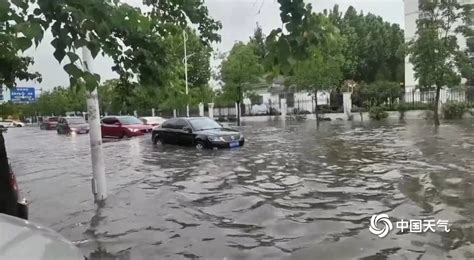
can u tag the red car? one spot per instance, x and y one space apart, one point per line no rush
49 124
123 126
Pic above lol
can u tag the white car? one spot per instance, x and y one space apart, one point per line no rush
152 120
22 239
11 123
259 109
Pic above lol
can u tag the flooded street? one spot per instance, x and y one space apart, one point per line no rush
292 192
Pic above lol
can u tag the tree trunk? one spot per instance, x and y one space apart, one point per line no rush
436 106
316 109
238 113
239 90
99 187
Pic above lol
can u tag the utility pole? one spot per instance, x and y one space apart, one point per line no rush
99 186
185 39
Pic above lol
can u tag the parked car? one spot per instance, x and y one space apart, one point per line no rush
68 125
153 120
23 239
259 109
11 202
49 124
11 123
123 126
201 132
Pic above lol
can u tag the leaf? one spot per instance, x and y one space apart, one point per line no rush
80 43
59 54
94 47
73 70
23 43
73 57
90 81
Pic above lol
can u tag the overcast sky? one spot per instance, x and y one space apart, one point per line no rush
238 18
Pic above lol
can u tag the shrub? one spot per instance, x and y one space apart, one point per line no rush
454 110
377 113
402 108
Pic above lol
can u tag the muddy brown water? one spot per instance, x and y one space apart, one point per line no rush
292 192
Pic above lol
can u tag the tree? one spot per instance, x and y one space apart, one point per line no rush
322 69
257 41
238 71
132 38
375 48
435 54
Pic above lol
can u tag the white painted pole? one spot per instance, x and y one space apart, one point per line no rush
347 103
152 112
201 109
174 112
185 38
211 110
99 185
283 108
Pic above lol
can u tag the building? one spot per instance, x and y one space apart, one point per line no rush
412 14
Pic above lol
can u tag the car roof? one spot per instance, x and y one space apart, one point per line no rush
41 243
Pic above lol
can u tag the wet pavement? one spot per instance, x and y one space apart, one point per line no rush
292 192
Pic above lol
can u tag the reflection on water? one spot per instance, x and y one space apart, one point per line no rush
293 192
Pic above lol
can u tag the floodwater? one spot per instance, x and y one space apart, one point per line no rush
292 192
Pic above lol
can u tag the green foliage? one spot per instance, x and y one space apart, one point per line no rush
378 93
377 113
132 38
454 110
436 56
322 69
374 49
240 71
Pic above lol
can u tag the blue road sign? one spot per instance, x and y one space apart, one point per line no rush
22 94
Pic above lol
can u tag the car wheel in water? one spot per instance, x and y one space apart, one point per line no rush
157 140
200 145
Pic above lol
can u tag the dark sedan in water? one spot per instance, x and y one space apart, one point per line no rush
201 132
70 125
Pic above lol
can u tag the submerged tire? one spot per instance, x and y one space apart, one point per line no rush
200 145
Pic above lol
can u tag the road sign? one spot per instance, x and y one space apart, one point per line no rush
22 94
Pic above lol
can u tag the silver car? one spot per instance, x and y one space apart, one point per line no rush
21 239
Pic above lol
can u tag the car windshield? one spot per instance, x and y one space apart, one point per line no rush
204 124
76 121
130 120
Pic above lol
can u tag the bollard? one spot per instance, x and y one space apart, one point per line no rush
201 109
211 110
347 102
174 112
284 108
153 112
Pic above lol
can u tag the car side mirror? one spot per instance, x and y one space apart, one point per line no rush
187 129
